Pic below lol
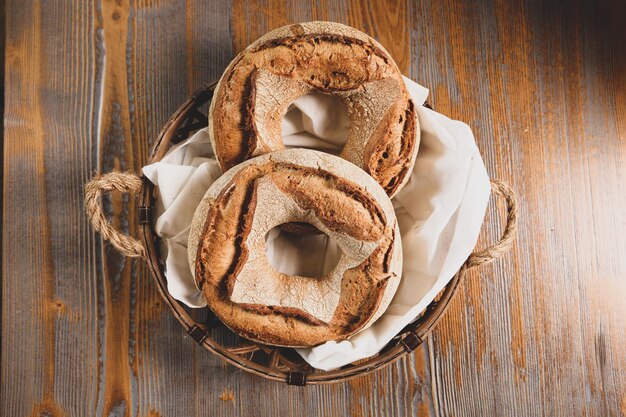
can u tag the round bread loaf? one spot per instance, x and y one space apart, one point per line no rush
227 248
258 86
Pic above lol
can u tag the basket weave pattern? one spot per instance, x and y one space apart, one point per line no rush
274 363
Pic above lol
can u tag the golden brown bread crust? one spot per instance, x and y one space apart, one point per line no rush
263 80
225 247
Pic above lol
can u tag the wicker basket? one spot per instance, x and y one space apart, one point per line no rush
274 363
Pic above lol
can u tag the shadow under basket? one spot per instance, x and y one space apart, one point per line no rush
271 362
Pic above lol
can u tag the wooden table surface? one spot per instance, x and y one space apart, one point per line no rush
88 85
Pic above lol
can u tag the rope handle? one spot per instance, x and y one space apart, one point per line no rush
94 190
130 183
503 245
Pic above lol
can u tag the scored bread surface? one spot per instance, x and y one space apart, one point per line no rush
258 86
259 303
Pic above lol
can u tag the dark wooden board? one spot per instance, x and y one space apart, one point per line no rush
87 87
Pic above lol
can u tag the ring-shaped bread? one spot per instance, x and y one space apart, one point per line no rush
258 86
227 248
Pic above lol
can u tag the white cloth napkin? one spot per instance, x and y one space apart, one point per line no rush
440 212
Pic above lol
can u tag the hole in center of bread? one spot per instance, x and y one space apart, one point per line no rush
316 121
301 249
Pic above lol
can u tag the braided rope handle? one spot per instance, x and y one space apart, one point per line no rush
131 183
503 245
94 190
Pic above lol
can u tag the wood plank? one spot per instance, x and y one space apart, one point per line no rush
50 274
89 85
539 86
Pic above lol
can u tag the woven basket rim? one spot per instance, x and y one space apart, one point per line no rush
181 124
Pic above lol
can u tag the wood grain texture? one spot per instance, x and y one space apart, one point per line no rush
88 86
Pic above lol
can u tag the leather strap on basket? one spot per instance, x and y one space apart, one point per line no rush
94 190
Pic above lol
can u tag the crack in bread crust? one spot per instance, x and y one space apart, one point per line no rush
222 252
248 127
292 42
301 61
312 196
391 161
